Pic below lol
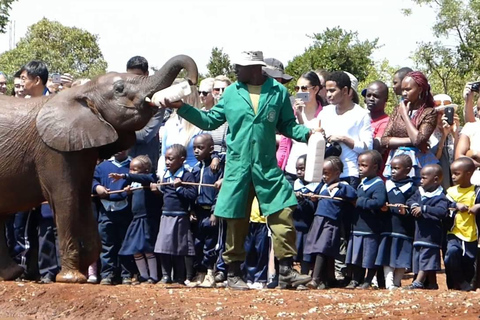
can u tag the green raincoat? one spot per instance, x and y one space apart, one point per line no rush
251 146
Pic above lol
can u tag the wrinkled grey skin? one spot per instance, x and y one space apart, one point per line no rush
49 148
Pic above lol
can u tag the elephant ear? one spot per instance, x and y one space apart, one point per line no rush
73 126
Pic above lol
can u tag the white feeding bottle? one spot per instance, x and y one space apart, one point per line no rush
315 157
173 93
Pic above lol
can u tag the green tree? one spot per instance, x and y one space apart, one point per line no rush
448 68
335 49
5 6
219 64
63 49
458 19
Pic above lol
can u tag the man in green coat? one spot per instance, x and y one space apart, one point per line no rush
255 107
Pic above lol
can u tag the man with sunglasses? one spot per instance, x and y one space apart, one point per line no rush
254 107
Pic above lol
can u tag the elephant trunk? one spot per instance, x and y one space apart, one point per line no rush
164 77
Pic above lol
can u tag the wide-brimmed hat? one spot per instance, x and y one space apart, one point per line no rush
275 69
250 58
442 101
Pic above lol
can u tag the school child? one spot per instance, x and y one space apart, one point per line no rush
257 246
323 238
303 214
205 227
93 268
142 232
396 244
174 240
428 206
114 218
366 227
462 237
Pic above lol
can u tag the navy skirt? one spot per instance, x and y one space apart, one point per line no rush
395 252
141 236
426 259
300 244
323 237
175 236
362 250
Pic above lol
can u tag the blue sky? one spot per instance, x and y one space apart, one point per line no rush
160 29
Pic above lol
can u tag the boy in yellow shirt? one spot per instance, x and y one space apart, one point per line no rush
462 237
257 246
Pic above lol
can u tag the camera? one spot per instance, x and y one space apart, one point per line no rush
475 86
56 78
304 96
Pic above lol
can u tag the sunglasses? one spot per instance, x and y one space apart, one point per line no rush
439 103
218 89
303 88
203 93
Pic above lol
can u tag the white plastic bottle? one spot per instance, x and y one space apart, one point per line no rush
315 157
173 93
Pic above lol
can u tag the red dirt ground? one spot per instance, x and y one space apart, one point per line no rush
64 301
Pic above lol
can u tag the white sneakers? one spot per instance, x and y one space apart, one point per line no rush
257 285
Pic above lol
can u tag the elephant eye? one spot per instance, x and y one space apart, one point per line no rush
119 86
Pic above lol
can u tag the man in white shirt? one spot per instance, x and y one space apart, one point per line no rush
347 123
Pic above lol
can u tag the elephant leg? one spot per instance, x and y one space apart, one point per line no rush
69 195
9 270
78 238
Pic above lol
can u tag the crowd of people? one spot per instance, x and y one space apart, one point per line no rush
213 192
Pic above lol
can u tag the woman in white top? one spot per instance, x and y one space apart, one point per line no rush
306 114
179 130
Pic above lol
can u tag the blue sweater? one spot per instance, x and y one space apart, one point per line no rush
207 196
372 196
144 201
398 192
428 226
305 210
336 209
114 202
178 201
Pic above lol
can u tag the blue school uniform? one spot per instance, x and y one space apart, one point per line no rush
366 224
324 234
146 209
303 216
396 244
48 250
114 219
205 235
174 236
428 228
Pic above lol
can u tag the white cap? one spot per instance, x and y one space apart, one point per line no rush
353 80
250 58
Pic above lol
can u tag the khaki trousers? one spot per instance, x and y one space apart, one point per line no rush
280 224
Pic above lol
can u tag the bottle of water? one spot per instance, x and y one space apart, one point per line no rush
315 157
174 93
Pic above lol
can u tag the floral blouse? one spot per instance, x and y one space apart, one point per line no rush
426 124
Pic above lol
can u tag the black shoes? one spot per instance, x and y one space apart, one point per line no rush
289 277
234 277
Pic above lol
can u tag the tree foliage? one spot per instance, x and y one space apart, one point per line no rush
219 64
335 49
448 68
5 6
63 49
